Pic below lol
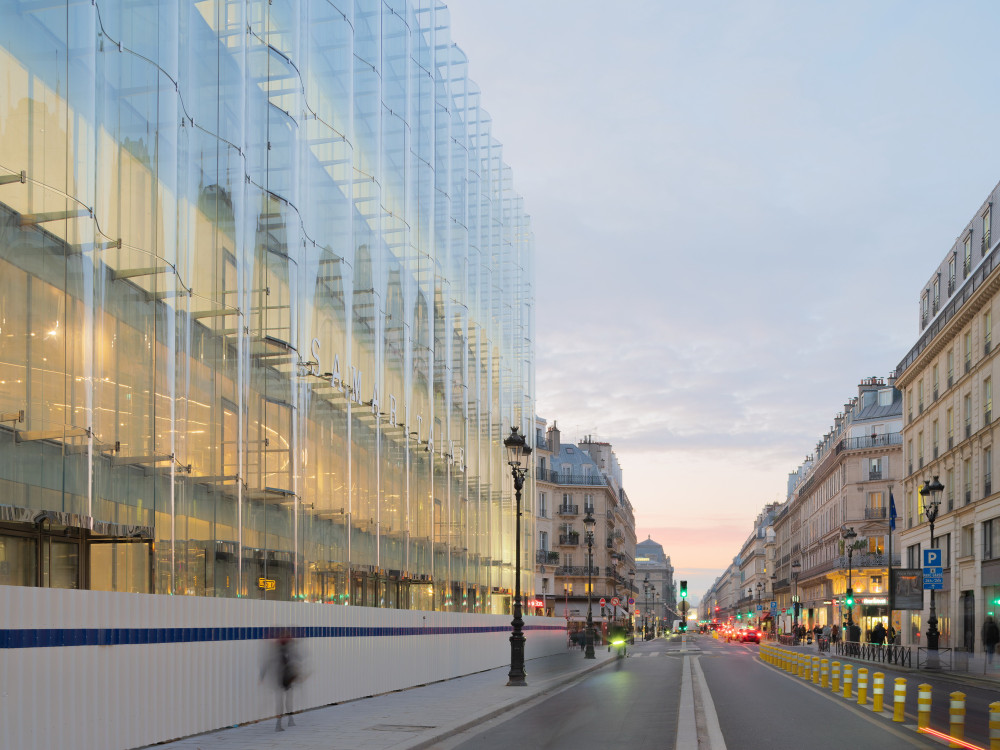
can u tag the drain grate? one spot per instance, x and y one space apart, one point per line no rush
400 727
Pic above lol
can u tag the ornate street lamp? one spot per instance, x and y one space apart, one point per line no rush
774 612
796 567
645 611
849 536
588 523
517 449
930 496
760 586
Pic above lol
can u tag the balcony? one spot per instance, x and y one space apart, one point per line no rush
874 475
951 442
984 244
877 513
577 570
935 452
951 285
556 477
987 346
988 415
935 393
568 510
988 486
546 557
870 441
569 540
968 495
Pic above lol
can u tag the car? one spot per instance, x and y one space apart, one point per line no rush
749 634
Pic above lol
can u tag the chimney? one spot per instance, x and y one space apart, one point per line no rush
552 438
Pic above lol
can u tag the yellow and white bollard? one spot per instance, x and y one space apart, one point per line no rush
806 673
835 686
815 670
899 699
862 686
995 726
848 680
824 672
923 705
878 691
957 711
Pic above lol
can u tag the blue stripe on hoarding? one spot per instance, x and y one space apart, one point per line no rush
49 637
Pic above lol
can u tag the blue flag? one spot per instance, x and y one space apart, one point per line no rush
892 512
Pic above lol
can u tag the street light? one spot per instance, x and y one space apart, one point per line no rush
930 496
760 586
645 611
628 600
588 523
796 567
774 611
517 449
849 536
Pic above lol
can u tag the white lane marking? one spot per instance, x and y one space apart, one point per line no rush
711 719
687 724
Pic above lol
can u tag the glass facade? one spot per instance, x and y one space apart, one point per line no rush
266 305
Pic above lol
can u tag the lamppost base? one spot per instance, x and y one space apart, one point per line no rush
516 675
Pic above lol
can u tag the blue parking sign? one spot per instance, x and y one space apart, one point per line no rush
932 558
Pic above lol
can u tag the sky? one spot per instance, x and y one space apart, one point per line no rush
735 206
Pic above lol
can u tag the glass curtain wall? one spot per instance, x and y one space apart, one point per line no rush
266 305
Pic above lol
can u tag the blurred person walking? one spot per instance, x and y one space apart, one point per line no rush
284 667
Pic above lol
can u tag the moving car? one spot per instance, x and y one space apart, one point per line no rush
750 634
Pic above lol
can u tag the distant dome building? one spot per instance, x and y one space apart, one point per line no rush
652 561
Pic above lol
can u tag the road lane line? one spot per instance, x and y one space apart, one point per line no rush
706 708
687 724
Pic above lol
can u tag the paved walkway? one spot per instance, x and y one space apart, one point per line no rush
413 718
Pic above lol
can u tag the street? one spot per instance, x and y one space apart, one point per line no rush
651 699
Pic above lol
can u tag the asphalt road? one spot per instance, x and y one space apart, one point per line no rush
639 703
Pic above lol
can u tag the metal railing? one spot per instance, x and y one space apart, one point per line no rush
870 441
568 510
874 513
577 570
558 477
569 540
546 557
901 656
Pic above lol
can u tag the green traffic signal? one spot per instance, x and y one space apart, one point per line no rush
684 589
849 601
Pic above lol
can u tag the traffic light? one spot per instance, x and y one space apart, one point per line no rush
849 599
684 589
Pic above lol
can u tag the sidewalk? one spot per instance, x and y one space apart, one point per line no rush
413 718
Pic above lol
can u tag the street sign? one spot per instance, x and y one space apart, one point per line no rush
774 606
603 601
760 607
935 571
615 601
933 584
631 601
932 558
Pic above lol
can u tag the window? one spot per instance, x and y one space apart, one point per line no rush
951 367
913 556
968 350
991 538
987 400
967 477
951 274
986 230
909 455
924 308
967 407
987 331
950 487
876 585
920 449
588 503
967 249
934 438
885 397
543 541
909 405
876 545
950 426
968 535
987 471
875 469
934 381
567 499
936 294
543 505
920 396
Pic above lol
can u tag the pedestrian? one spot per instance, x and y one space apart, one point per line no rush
283 665
835 633
878 634
991 636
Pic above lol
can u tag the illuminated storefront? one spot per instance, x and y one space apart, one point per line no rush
266 306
